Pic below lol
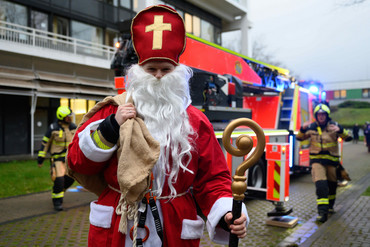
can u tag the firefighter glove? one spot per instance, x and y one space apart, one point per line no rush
345 175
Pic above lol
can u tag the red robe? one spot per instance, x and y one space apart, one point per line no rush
211 183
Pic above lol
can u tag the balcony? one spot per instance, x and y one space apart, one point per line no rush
29 41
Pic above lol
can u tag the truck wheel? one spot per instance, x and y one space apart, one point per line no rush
257 175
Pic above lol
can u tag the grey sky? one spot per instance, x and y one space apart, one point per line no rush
316 39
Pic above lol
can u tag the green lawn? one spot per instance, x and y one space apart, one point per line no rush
367 192
347 117
24 177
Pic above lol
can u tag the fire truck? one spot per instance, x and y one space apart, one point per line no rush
227 85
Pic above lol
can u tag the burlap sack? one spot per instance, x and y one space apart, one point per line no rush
137 153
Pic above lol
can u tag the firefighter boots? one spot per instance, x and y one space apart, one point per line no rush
322 217
57 202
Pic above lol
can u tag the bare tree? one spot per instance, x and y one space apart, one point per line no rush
347 3
260 53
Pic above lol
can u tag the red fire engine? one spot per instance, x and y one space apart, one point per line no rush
227 85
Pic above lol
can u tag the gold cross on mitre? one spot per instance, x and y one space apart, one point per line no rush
158 27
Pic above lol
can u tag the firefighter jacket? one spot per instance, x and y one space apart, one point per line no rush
56 141
323 142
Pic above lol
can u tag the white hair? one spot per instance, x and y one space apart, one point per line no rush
162 104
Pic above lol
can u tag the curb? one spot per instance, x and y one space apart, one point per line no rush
348 198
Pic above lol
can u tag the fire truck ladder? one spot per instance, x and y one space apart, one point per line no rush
286 108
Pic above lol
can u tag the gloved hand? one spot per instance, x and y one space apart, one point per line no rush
345 175
348 139
40 161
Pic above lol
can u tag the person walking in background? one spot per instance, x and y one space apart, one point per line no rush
56 141
367 135
324 157
153 154
355 131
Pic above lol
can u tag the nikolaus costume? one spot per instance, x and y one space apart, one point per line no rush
324 159
91 155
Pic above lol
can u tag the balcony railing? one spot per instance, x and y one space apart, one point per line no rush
19 34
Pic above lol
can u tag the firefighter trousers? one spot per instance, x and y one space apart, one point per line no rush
325 179
61 180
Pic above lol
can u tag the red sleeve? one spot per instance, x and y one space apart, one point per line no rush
77 161
213 179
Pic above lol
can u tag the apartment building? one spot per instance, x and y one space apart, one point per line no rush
56 53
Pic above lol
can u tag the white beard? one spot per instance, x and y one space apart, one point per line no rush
162 104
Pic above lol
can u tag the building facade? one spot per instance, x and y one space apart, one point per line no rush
56 53
338 92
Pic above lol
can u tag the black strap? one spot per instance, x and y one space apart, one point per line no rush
157 220
139 242
141 224
142 216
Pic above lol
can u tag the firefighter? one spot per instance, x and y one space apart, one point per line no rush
324 157
56 141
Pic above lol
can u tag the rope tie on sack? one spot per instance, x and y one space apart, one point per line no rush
127 211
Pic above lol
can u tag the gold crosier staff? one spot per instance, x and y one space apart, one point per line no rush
244 144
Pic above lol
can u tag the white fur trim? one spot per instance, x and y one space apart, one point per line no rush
89 149
219 209
192 229
100 215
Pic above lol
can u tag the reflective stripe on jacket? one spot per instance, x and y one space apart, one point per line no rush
323 142
56 140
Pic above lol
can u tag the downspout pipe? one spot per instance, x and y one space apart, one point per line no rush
33 109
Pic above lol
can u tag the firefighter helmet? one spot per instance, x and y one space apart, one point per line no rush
63 111
321 108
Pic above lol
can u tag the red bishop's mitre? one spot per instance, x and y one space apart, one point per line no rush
158 33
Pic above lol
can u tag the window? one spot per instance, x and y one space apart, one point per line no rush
135 5
112 2
340 94
88 33
188 23
13 13
207 31
336 94
218 35
366 93
196 26
125 3
64 102
39 20
79 107
90 104
111 37
60 26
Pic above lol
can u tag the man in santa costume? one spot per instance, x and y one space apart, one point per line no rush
150 155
